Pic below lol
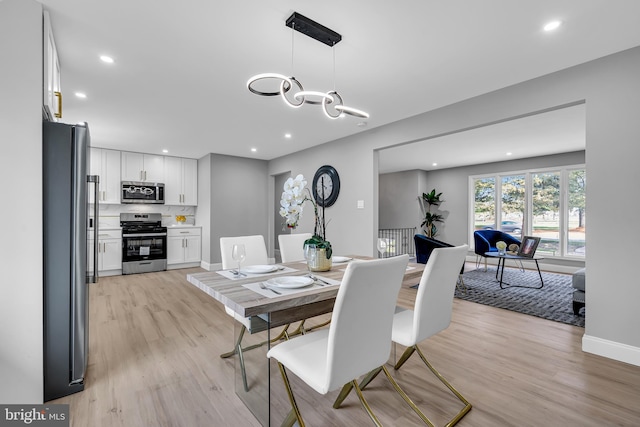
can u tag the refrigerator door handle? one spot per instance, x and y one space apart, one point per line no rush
95 179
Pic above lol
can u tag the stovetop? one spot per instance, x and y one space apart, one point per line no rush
141 223
142 227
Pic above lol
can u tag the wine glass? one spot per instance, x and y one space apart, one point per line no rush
382 247
238 254
310 255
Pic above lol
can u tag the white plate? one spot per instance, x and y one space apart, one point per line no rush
290 282
259 269
340 259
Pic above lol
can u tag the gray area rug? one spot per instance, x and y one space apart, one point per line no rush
554 301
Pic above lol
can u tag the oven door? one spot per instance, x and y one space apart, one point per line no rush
144 246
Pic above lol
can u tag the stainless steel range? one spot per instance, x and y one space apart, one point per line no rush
144 243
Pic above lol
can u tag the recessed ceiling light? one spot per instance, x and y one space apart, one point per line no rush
509 153
165 151
434 164
287 135
553 25
253 150
80 95
107 59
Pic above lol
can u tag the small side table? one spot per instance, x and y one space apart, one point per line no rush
501 262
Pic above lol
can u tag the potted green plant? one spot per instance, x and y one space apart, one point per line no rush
430 218
291 206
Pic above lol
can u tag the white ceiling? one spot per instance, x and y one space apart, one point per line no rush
180 71
559 131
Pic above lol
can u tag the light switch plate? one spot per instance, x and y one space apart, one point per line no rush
360 204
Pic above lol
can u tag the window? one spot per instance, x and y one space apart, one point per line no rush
549 204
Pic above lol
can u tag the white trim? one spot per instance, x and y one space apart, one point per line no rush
611 349
210 267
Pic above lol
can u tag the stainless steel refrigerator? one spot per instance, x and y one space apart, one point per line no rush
69 216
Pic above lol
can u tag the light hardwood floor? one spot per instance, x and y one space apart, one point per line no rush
155 340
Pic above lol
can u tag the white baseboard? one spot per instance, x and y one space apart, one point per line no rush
210 267
611 349
184 265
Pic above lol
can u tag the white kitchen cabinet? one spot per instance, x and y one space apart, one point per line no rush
181 181
142 167
184 246
52 90
106 164
109 252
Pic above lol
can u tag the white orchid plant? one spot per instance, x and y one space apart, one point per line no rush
292 204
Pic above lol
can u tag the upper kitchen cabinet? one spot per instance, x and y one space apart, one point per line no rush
181 181
52 92
142 167
106 164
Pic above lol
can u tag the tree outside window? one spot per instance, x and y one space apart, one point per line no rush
546 204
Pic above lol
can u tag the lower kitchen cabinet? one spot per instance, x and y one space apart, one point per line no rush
184 247
109 252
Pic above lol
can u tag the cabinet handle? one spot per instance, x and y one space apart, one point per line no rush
58 95
145 175
186 243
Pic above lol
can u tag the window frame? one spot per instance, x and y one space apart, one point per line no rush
527 225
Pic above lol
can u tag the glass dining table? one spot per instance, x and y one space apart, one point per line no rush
250 295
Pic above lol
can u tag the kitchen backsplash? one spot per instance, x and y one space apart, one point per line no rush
109 215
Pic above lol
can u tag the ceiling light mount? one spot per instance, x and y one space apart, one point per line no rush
311 28
326 36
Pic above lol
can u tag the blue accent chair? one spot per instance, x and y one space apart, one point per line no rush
485 241
425 246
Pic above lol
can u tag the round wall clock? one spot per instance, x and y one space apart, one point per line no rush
326 186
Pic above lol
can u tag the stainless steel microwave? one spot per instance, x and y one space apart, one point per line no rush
142 192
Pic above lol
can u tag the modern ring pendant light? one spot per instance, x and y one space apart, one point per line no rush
331 98
285 84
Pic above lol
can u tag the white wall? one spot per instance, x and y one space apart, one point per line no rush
21 371
609 87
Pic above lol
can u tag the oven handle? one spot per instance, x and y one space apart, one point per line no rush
144 235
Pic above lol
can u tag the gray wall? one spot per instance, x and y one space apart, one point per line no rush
454 184
21 369
399 195
608 87
203 212
238 199
350 230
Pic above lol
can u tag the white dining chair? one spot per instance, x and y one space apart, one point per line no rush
355 343
255 248
291 250
431 314
292 246
256 254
